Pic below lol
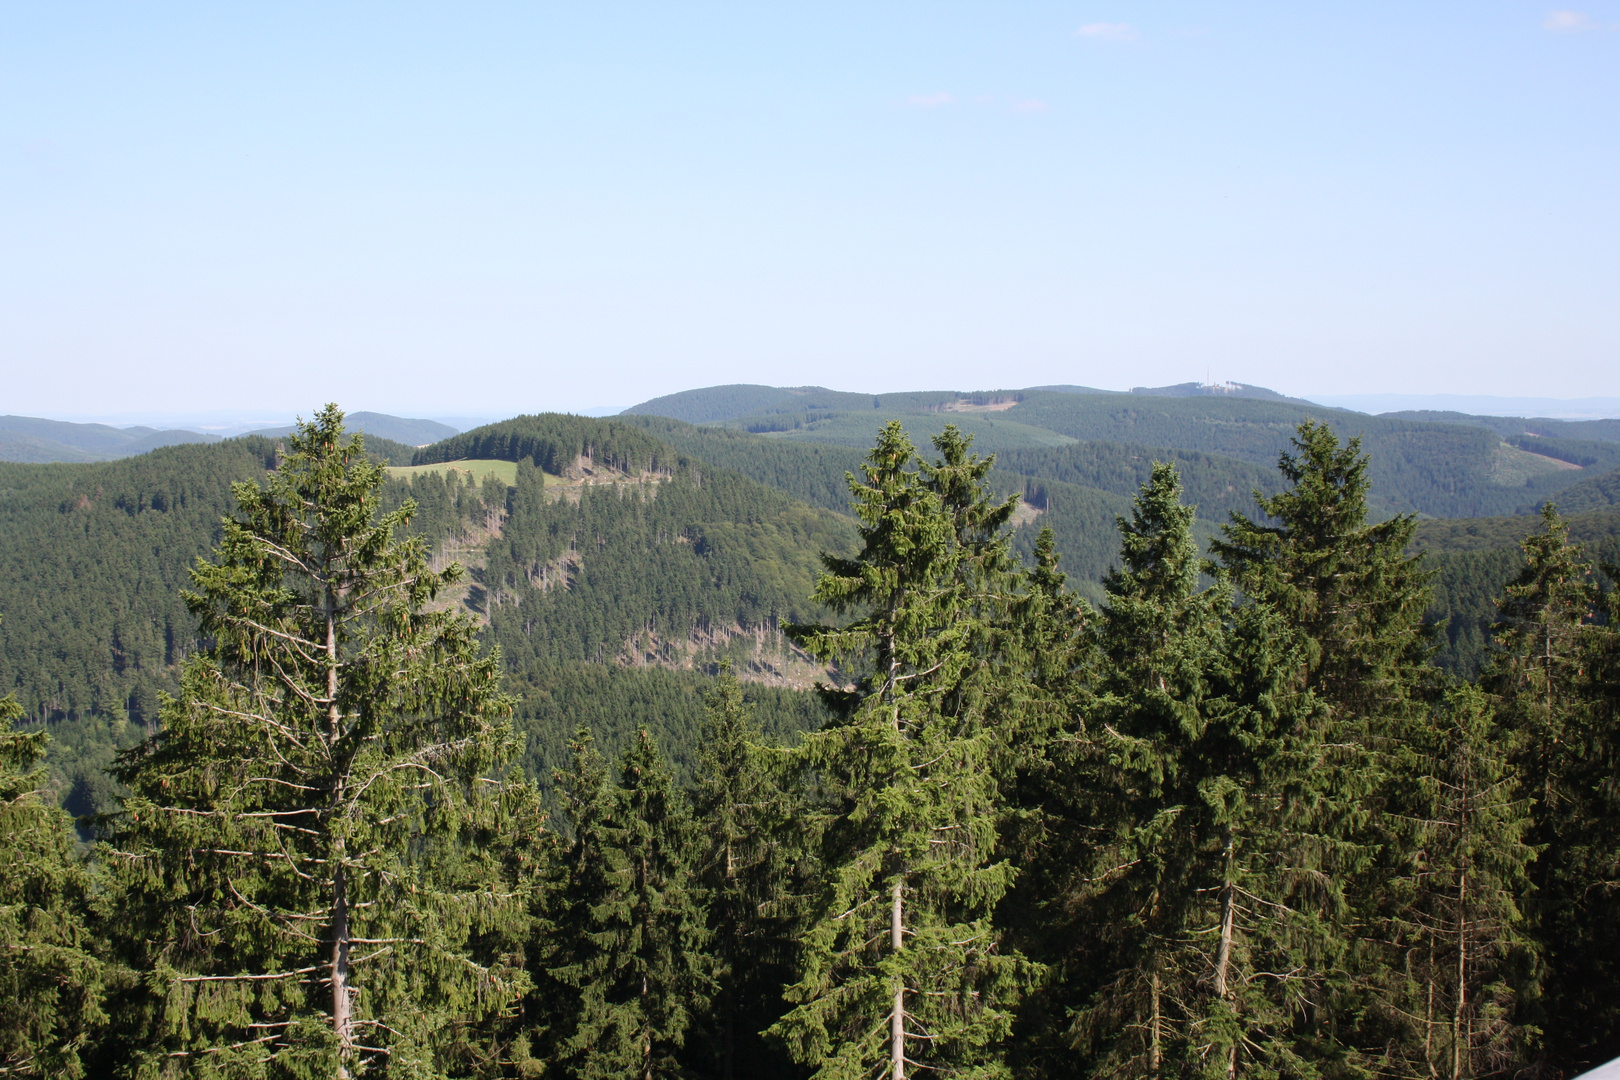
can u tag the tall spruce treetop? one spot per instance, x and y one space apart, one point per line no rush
900 966
1133 865
1553 675
295 846
1348 587
1540 647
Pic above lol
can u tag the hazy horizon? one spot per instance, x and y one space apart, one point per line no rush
227 423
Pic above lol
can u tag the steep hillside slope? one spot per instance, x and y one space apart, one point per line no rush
636 560
92 560
1596 493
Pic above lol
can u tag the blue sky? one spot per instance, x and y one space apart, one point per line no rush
482 209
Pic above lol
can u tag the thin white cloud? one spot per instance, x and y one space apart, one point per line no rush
1568 22
1108 31
930 101
1029 105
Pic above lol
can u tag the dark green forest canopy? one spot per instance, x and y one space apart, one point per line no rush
1592 494
1593 528
1439 469
92 558
1608 430
1153 775
704 564
636 572
812 472
555 442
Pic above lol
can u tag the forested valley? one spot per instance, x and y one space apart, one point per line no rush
741 735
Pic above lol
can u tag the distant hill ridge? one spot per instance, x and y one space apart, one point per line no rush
1451 466
35 440
1226 389
398 429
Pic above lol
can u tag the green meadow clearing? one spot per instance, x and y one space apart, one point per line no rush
478 469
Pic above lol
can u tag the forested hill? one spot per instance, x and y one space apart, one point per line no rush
558 443
1535 427
36 440
645 544
33 440
1229 821
1436 468
92 561
633 557
1593 494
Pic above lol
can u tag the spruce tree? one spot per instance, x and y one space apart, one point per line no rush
1552 675
1139 879
745 871
568 961
1353 603
634 927
1539 668
1194 944
51 979
901 966
1464 961
294 848
1347 587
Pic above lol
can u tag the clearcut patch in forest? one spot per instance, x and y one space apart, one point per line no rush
1513 467
476 469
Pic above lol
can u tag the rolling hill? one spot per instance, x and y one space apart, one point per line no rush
34 440
1429 467
625 562
615 561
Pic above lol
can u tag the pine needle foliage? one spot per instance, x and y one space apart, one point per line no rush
900 967
52 981
748 869
1352 601
1553 678
630 926
1347 587
296 857
1465 959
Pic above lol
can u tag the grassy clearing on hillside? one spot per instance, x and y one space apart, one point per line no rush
1513 467
477 469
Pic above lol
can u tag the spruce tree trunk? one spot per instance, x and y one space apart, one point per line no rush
646 990
342 1019
1223 951
1459 1018
897 1018
729 1022
1155 1048
342 999
1428 1015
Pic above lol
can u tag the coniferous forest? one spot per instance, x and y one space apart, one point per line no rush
1211 751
